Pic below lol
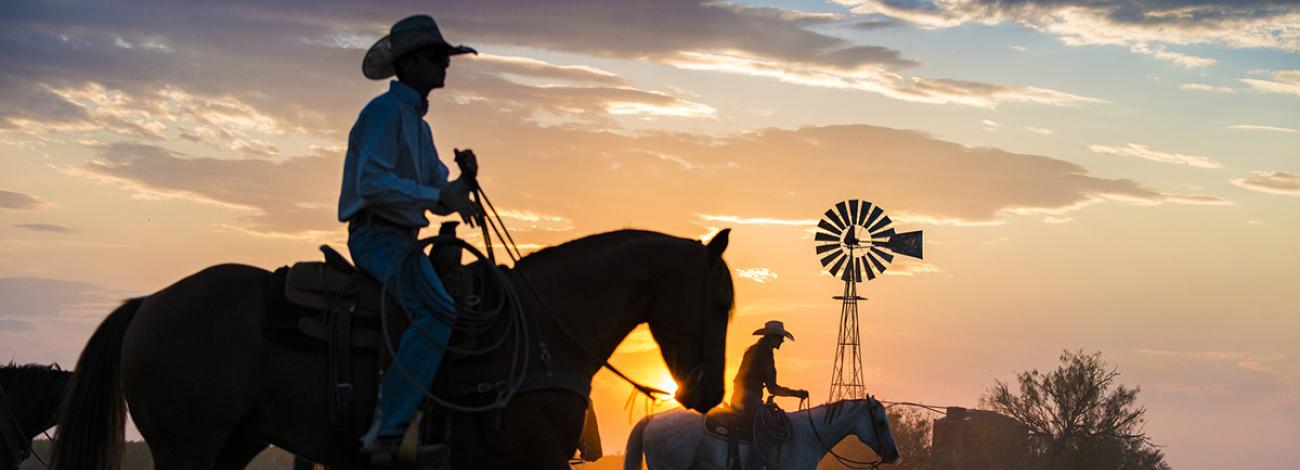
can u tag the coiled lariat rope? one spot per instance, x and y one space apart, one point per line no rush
777 425
472 320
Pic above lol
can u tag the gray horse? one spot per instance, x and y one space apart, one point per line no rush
677 439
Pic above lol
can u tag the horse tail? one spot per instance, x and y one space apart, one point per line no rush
93 413
632 456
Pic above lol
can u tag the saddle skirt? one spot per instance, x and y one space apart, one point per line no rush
769 434
724 421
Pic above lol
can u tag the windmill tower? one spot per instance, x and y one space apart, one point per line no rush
855 237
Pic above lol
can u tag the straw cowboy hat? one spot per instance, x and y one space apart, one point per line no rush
410 34
774 327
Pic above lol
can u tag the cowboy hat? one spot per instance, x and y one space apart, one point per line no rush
410 34
774 327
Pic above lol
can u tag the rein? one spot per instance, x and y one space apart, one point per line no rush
508 242
845 461
12 432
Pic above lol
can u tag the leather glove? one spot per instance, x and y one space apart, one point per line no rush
468 163
802 394
456 197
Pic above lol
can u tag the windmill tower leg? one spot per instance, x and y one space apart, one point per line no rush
846 378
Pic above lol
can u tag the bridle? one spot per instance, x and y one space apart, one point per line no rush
15 442
845 461
707 344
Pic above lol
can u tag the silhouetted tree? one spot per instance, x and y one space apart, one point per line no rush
911 429
1078 417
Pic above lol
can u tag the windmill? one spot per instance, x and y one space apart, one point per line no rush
855 237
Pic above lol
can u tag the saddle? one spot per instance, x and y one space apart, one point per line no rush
767 435
334 306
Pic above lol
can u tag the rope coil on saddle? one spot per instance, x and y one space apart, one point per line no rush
777 426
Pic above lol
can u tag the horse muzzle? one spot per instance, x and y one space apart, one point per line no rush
701 392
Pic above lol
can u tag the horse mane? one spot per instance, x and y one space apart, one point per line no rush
835 407
14 377
589 242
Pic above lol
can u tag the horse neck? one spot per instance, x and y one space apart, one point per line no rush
600 293
831 432
28 393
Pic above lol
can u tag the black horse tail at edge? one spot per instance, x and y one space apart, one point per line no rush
632 458
92 416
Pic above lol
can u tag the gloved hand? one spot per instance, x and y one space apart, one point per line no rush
801 394
468 163
456 197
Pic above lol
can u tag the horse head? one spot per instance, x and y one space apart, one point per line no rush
689 321
874 430
31 398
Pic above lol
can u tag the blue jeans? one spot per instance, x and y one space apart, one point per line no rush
414 285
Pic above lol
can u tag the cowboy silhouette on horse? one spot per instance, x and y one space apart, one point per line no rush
391 176
757 372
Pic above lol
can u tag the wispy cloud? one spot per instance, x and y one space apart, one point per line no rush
1275 182
46 228
1254 362
1207 88
740 220
1148 153
24 300
1284 81
759 275
1252 127
881 81
1039 130
21 201
1081 22
1183 60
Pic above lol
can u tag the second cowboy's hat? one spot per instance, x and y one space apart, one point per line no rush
407 35
774 327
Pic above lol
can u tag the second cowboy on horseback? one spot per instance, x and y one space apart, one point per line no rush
757 372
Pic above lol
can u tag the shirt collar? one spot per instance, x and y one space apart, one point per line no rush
409 96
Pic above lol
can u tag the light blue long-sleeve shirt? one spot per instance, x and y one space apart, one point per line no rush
392 168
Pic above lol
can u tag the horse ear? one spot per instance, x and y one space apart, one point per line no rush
719 243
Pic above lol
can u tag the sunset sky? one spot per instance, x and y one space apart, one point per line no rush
1090 174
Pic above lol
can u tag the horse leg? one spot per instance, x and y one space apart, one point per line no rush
240 449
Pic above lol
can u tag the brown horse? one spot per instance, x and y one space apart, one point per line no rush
207 390
29 398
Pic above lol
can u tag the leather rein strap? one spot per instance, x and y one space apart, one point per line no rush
15 442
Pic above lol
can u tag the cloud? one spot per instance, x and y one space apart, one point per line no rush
909 267
1079 22
20 201
46 228
1284 81
1207 88
1148 153
881 81
1252 127
1186 61
1191 390
1275 182
1039 130
759 275
24 298
292 195
739 220
1253 362
15 325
